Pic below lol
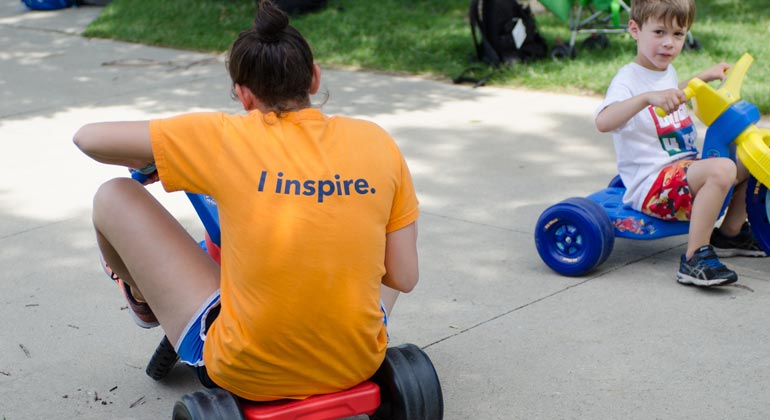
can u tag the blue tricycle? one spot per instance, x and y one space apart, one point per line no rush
577 235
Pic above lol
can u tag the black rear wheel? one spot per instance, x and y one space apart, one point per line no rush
209 404
409 386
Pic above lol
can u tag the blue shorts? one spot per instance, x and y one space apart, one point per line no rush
190 347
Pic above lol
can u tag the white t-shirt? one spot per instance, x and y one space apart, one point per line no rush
647 143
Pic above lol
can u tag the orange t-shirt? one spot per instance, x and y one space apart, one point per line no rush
304 203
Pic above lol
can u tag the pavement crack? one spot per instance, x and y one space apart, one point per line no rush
472 222
498 316
33 229
528 304
44 30
147 62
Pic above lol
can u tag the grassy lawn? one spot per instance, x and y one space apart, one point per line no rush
432 38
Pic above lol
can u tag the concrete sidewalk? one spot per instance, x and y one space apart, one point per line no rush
510 338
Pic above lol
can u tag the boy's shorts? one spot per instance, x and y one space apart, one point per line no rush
190 346
669 197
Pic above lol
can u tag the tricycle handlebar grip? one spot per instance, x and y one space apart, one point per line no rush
688 92
139 177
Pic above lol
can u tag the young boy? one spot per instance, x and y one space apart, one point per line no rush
657 157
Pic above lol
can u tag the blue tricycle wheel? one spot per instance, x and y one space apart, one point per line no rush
757 207
574 236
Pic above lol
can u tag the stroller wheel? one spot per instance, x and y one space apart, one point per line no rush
596 42
692 44
561 51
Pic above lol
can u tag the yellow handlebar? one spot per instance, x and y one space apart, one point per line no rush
688 93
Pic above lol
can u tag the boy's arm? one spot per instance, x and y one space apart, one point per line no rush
401 272
616 114
716 72
125 143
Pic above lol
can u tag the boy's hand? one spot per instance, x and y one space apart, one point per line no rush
668 100
717 72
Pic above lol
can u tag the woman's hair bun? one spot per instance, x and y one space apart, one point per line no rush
270 21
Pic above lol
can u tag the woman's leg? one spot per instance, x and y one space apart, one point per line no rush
152 253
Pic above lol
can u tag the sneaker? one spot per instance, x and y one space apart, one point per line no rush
704 269
741 245
140 311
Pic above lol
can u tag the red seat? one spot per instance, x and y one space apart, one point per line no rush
363 398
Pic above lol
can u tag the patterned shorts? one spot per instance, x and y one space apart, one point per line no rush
669 197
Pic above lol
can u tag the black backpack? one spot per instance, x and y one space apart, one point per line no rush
506 32
298 7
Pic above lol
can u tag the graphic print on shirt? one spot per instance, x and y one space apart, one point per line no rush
675 131
319 189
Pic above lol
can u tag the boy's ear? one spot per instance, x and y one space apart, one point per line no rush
634 28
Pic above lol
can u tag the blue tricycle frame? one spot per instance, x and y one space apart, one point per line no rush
577 235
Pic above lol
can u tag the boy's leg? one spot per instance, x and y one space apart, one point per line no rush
149 250
733 238
710 180
736 213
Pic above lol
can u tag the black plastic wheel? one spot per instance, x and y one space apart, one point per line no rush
409 386
692 44
561 51
757 207
162 361
574 236
596 42
209 404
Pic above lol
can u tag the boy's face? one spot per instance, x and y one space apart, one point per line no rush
657 43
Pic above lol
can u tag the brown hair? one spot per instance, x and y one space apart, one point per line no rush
680 11
273 60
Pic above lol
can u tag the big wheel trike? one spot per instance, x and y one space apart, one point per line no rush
405 387
577 235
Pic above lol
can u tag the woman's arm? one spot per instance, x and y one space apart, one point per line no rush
401 259
125 143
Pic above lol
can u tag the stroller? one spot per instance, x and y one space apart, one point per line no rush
597 18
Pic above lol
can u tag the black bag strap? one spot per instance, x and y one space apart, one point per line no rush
473 18
462 78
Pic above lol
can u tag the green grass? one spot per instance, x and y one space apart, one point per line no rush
432 38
